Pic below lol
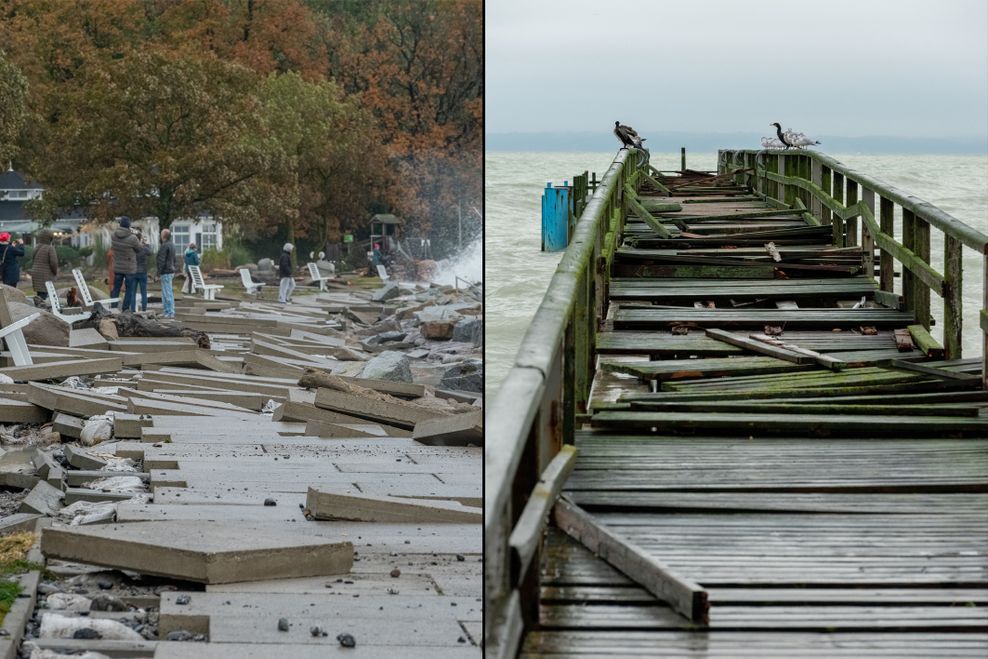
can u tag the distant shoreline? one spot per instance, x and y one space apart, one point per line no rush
669 142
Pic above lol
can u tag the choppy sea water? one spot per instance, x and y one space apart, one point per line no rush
517 273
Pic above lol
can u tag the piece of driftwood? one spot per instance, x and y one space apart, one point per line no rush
134 325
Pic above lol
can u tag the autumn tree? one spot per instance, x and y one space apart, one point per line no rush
418 66
329 164
152 135
13 105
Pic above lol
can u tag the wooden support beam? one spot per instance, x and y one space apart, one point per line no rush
925 341
632 200
684 596
886 263
527 533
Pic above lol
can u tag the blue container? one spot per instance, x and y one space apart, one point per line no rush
555 217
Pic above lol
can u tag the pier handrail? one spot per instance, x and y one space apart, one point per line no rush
834 194
534 412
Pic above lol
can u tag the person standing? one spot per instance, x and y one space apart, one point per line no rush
125 246
9 253
191 258
141 275
45 266
165 260
285 271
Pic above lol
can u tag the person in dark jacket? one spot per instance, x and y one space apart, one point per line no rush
141 275
285 271
191 257
125 246
165 261
9 265
45 266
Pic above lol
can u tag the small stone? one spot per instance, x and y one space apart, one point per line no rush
461 557
182 600
104 602
461 640
180 635
282 624
396 573
104 584
270 502
317 631
347 640
86 633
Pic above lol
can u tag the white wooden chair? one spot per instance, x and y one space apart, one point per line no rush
252 287
87 296
316 276
382 273
208 290
12 333
56 306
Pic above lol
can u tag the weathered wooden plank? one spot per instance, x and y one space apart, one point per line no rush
684 596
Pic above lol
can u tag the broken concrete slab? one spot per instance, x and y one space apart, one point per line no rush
457 430
394 413
43 499
328 505
18 523
214 553
21 411
67 425
80 458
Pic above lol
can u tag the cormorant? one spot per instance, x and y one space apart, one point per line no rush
627 135
778 132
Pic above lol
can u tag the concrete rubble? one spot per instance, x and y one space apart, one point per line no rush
269 471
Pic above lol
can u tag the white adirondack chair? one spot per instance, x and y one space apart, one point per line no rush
316 276
12 333
208 290
87 296
56 306
252 287
382 273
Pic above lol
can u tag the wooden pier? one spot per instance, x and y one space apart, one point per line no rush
730 431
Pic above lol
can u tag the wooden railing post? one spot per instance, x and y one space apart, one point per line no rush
953 301
867 240
816 177
886 220
838 195
921 240
851 229
908 241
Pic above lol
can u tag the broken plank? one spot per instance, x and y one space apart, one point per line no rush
684 596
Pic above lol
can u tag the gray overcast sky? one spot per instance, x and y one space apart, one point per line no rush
841 67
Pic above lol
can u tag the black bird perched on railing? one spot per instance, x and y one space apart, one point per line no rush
781 136
628 136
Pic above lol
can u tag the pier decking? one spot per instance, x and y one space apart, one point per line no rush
772 455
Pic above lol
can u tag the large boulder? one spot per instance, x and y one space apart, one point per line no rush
46 329
265 265
14 294
465 376
469 330
388 365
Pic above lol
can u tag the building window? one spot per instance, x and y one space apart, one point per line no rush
180 236
208 237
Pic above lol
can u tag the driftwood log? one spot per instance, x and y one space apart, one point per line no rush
134 325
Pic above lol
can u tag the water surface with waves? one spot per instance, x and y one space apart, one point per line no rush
517 273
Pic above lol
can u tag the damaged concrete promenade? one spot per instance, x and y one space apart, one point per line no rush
273 480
